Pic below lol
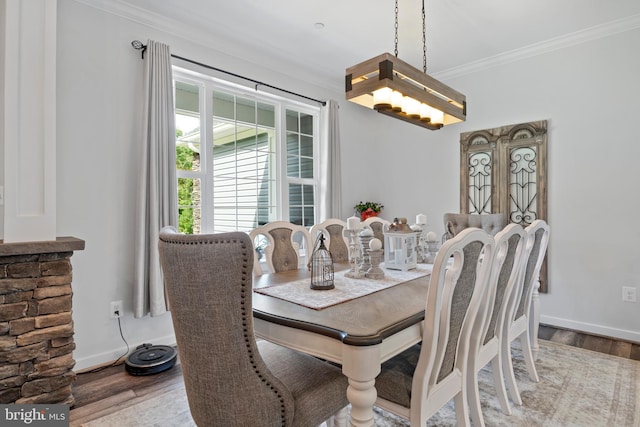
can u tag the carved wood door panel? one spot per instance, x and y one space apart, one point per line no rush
504 170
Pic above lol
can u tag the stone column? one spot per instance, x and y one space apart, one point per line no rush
36 325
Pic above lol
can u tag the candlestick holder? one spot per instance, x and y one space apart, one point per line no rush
375 272
432 249
365 263
421 244
355 254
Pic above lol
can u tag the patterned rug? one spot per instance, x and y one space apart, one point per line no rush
577 388
345 289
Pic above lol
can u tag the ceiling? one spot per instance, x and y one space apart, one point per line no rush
459 32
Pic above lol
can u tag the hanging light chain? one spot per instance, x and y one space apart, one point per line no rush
424 41
396 39
424 37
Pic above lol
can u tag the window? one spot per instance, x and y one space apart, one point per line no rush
243 158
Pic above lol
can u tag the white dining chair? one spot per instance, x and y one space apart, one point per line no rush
287 246
518 326
416 383
505 272
378 226
337 243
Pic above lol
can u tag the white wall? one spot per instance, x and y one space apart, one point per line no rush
587 93
99 113
409 169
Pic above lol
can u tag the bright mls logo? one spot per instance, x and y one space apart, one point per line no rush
34 415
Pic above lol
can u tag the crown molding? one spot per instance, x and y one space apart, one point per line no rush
154 20
272 61
171 26
593 33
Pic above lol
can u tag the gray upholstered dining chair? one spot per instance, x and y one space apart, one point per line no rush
337 243
416 383
454 223
285 245
519 320
505 273
230 378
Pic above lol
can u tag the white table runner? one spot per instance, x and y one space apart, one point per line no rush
345 289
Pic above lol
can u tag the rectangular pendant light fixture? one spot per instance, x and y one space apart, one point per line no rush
395 88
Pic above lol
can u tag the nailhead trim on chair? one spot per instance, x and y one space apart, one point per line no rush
245 269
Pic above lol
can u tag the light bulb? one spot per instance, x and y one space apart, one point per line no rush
396 100
410 107
425 112
382 97
437 117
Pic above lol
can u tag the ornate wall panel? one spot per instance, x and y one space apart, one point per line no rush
504 169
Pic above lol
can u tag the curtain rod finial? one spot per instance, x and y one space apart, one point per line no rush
137 45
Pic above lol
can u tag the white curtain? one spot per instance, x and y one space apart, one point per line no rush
157 203
330 200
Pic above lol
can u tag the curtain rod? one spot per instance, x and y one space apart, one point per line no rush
139 46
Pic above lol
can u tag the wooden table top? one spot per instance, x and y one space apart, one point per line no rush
360 322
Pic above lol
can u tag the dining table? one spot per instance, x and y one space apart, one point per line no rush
359 334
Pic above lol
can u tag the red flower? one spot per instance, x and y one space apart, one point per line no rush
367 213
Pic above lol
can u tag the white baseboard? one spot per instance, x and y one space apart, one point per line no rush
110 356
591 328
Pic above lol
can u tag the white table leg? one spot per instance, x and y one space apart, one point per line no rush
361 365
534 320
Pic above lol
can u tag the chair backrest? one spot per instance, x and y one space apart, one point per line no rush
337 243
507 265
538 234
491 223
282 251
456 290
208 283
377 225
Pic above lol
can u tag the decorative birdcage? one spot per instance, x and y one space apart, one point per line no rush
321 267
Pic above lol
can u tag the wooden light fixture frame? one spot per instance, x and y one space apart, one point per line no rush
387 70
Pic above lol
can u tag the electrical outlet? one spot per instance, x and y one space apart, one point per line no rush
628 294
116 309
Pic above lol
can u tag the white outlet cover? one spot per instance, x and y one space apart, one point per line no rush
629 294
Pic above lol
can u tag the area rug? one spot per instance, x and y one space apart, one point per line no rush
577 388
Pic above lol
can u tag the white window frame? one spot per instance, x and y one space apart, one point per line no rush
207 84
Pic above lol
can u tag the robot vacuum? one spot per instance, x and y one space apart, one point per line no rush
151 359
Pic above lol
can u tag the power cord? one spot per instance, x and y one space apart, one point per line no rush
117 361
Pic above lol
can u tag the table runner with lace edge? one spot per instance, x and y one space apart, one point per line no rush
346 288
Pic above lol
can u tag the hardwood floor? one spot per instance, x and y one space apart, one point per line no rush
103 392
600 344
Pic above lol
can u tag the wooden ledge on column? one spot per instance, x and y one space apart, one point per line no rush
61 244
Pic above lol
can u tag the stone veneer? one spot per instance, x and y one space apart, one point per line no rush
36 326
